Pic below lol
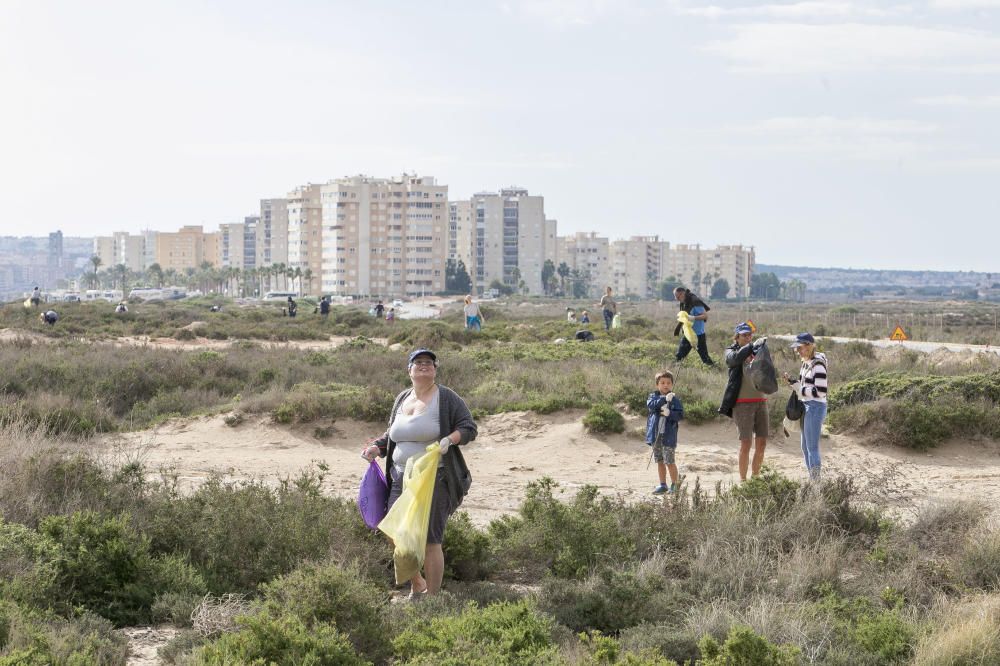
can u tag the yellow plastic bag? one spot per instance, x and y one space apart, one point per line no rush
687 325
407 520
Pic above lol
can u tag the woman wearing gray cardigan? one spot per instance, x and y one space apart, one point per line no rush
421 415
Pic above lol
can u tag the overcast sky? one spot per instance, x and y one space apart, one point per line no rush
823 132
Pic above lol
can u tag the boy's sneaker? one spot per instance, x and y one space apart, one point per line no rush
674 487
660 489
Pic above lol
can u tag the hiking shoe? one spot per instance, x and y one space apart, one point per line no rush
674 487
660 489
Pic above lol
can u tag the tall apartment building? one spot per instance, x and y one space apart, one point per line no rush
231 246
251 227
589 254
121 247
185 248
305 232
55 258
272 233
383 236
700 268
637 266
502 236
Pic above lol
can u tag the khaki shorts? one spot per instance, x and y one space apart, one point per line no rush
751 419
664 454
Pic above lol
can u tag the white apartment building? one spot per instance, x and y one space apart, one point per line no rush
272 233
589 254
305 218
383 236
637 266
232 244
502 236
699 268
121 248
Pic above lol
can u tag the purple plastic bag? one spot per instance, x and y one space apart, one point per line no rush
373 496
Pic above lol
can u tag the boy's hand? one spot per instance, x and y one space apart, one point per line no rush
669 397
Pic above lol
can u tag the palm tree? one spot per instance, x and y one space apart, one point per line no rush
155 272
297 275
280 272
308 275
563 271
97 262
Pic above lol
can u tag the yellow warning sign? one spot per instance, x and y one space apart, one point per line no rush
898 334
753 329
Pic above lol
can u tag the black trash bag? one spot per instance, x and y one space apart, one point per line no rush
794 409
762 372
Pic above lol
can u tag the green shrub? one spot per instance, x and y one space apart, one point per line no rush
697 412
466 549
979 562
287 640
29 565
745 648
38 639
331 593
603 419
107 567
566 539
504 634
768 490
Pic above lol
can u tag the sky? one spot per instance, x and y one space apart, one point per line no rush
822 132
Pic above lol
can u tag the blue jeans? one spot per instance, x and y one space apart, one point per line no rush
608 316
812 426
473 323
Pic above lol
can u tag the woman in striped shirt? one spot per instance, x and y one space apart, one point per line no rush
811 388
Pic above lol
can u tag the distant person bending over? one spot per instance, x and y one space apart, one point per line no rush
379 310
743 402
427 413
49 317
609 308
121 308
473 316
390 316
698 310
811 388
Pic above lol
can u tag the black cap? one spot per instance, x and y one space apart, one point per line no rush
421 352
802 339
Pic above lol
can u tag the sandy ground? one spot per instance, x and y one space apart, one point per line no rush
515 448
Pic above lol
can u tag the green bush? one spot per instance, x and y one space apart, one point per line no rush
979 562
697 412
566 539
768 490
266 640
745 648
466 549
503 634
603 419
331 593
107 567
29 565
40 639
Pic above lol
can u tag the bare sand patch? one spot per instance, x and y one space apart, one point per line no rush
515 448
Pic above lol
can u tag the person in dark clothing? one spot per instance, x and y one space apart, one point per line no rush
324 306
698 309
293 307
742 402
379 310
50 317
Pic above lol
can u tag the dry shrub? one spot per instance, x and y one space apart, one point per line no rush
967 632
217 615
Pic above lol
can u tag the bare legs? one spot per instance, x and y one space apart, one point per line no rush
760 443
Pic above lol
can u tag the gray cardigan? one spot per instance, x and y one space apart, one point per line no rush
454 415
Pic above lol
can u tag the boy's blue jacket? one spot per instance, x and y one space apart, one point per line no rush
654 402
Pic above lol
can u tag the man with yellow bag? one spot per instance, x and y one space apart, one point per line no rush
697 314
426 472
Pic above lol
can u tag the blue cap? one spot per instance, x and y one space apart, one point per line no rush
421 352
742 327
802 339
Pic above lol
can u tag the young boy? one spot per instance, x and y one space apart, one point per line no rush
665 413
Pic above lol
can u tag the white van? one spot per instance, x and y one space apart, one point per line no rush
279 295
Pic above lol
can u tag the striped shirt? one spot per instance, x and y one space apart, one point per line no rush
812 384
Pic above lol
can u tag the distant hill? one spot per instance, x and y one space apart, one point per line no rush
839 279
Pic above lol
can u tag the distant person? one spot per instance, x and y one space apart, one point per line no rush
293 307
811 387
49 317
608 308
215 308
36 297
473 316
584 317
583 335
379 310
743 402
571 315
665 414
698 310
121 308
324 306
390 316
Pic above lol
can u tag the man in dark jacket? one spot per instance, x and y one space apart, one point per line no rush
743 402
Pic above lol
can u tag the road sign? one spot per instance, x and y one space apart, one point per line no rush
898 334
753 329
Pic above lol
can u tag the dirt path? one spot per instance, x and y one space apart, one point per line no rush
144 642
515 448
8 335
